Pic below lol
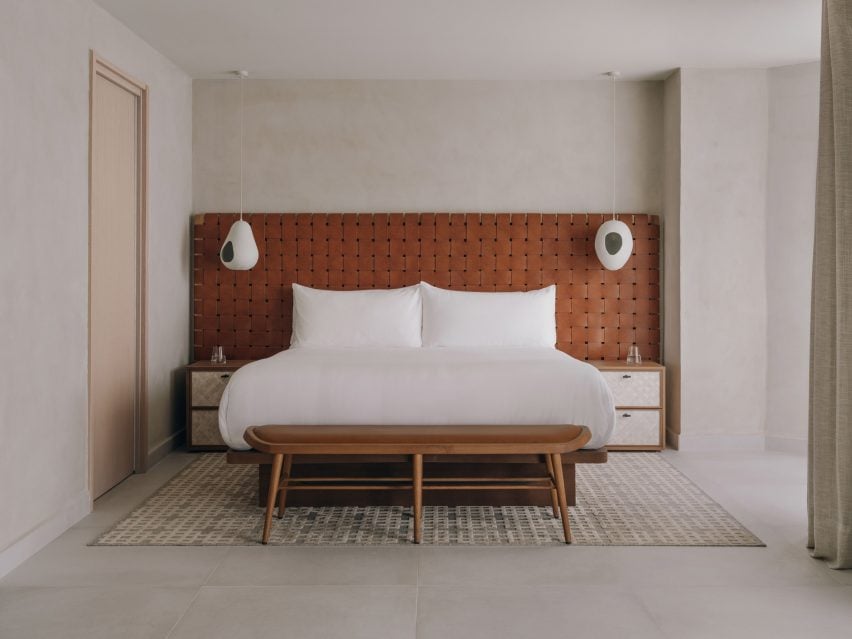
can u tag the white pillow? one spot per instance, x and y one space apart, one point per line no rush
463 318
343 319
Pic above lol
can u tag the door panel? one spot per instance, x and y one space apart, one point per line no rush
114 330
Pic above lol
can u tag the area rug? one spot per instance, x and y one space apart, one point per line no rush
635 499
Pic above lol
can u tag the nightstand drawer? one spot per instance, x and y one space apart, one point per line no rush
634 388
205 428
208 386
636 428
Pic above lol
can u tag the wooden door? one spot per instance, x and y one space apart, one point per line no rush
116 276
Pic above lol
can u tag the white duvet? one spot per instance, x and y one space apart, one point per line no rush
416 386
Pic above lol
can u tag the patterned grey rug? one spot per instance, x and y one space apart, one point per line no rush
635 499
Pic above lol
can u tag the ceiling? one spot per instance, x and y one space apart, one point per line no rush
472 39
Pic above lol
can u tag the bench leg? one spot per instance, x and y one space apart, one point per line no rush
418 497
274 481
554 500
560 493
282 492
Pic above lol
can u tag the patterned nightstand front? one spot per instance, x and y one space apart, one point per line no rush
205 383
639 394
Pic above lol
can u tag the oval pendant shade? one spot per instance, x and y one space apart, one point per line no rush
239 252
613 244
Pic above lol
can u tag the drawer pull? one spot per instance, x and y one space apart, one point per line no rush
625 377
625 415
225 375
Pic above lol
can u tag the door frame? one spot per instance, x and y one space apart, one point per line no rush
100 67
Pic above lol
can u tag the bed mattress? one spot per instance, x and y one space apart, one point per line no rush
420 386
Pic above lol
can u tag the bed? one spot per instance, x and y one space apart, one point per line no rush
598 315
416 386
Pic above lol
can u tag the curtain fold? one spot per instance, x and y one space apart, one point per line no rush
830 427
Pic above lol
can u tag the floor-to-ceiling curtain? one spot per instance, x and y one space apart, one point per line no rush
830 429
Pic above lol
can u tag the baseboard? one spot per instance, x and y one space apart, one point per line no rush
36 539
794 445
672 440
701 443
170 443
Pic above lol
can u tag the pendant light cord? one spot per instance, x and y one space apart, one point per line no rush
242 144
612 150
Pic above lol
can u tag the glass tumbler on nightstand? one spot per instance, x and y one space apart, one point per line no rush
633 356
218 356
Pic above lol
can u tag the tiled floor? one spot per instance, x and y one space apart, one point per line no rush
70 590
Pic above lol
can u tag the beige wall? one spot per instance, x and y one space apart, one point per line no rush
739 177
791 193
724 138
425 146
44 67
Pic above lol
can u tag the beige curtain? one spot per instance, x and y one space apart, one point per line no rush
830 429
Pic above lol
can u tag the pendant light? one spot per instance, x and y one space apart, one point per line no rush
239 252
613 241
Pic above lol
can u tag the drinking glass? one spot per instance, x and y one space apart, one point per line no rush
218 356
633 356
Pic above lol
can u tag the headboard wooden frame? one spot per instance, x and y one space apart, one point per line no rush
599 313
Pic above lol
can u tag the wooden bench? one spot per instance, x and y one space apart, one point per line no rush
284 442
399 466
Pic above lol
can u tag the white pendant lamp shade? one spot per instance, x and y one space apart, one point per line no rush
613 244
239 252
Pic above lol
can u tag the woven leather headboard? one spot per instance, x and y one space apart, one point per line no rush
599 313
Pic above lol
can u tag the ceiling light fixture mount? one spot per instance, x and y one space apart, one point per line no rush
613 241
239 252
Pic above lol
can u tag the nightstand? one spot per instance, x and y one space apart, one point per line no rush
205 383
640 406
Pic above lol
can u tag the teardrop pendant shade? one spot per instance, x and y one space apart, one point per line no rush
613 244
239 252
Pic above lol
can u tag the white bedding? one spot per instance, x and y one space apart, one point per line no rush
417 386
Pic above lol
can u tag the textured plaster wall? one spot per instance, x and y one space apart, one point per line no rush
723 319
791 192
44 99
426 146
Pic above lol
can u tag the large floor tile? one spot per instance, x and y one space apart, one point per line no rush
765 491
565 565
795 534
661 566
119 501
842 577
795 612
468 592
303 612
68 561
91 613
522 612
299 565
